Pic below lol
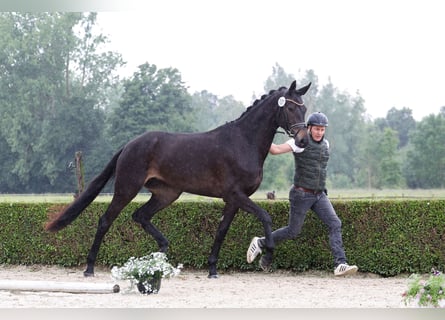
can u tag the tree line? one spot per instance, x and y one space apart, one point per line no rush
60 93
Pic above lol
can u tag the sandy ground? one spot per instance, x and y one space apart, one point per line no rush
192 289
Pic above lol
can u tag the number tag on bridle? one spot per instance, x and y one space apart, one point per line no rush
281 102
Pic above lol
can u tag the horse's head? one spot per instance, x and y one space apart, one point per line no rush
292 111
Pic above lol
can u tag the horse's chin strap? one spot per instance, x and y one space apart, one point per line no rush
299 125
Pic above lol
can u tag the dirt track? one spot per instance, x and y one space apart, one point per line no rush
192 289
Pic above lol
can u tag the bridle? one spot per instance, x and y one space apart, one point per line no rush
295 102
298 125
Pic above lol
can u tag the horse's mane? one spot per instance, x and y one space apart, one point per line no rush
262 98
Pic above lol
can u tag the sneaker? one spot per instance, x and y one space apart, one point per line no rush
344 269
254 250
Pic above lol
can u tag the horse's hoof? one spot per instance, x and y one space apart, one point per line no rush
212 276
264 264
88 274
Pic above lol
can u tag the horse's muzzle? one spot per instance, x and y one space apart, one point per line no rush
301 138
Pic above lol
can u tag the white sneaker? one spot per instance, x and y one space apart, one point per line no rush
344 269
254 250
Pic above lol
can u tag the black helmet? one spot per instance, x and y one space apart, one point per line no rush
317 119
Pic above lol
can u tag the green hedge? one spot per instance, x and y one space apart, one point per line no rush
383 237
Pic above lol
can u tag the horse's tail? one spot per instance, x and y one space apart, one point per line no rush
70 213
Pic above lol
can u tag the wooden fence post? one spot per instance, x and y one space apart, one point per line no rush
79 173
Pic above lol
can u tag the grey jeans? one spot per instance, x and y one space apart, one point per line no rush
300 203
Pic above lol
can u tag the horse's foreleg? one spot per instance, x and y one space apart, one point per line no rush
249 206
267 259
226 219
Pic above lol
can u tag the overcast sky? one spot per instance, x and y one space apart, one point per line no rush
392 52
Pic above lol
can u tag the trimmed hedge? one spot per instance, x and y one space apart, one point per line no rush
382 237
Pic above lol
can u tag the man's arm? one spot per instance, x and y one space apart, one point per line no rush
280 148
288 146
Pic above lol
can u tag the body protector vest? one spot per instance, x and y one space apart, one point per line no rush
311 165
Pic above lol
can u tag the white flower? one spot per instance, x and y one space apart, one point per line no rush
154 265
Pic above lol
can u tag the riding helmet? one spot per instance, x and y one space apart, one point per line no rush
317 119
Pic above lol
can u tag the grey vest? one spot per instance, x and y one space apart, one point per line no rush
311 164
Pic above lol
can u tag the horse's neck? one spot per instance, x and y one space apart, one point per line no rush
259 128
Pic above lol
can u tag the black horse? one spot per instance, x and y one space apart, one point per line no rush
226 162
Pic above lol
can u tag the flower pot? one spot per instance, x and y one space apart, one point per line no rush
148 286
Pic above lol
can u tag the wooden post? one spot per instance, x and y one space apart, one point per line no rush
79 173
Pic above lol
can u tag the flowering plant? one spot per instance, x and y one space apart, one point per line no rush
145 269
430 292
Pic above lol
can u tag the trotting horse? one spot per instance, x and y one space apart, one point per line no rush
226 162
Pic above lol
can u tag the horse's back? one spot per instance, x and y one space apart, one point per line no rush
201 163
183 146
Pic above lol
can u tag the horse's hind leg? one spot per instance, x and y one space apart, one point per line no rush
106 220
158 201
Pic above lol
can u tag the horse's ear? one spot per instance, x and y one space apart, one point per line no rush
303 90
293 86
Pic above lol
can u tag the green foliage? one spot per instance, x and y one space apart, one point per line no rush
52 88
346 124
402 122
153 99
59 93
382 237
211 112
426 293
426 160
278 78
392 237
386 148
278 171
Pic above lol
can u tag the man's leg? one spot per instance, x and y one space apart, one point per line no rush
300 203
325 211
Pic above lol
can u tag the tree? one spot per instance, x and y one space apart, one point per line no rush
278 78
8 181
153 99
426 158
50 107
346 126
310 98
379 165
368 168
205 105
390 171
211 112
401 121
